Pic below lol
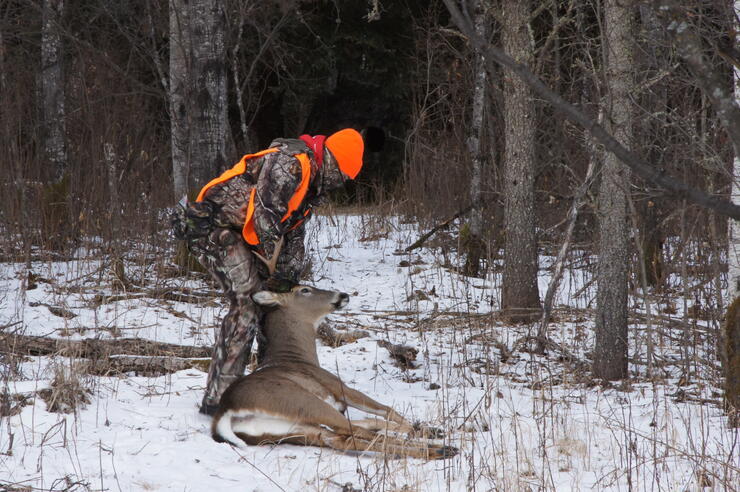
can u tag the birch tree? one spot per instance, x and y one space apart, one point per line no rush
731 354
610 351
519 293
52 82
208 84
179 88
56 227
197 92
475 240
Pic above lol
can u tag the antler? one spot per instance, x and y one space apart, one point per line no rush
272 262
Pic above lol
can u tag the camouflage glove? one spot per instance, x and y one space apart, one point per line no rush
192 220
277 283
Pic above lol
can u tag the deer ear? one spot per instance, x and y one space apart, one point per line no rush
266 298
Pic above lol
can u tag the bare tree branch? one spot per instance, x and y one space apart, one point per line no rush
708 79
598 132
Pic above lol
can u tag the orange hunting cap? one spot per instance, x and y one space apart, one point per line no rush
347 147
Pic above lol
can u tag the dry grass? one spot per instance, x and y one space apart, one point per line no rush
68 391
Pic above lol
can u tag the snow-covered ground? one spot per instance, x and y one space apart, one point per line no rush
526 423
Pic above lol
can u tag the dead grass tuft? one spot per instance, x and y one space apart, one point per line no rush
67 391
12 404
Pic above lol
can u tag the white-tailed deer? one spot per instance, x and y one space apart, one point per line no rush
289 398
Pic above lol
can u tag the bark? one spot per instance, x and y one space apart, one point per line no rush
3 73
475 245
58 227
733 257
731 335
178 94
52 81
610 351
655 176
118 270
208 96
520 296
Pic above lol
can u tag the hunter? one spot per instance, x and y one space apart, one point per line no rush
266 196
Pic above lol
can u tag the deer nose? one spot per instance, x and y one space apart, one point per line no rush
342 300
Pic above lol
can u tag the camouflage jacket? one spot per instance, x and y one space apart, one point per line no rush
275 177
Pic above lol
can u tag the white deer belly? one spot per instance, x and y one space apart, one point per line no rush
259 424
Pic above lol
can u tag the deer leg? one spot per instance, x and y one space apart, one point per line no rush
361 401
378 425
412 448
378 443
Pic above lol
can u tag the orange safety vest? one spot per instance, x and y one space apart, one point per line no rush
248 232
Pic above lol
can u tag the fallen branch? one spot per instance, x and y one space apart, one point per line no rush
333 338
419 242
141 366
403 355
564 353
55 310
95 348
485 338
166 294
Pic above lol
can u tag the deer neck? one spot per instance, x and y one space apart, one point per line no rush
289 340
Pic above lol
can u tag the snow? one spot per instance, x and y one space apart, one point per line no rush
528 423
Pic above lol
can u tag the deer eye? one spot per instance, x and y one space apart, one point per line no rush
304 290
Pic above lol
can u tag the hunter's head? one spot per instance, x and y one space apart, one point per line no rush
340 155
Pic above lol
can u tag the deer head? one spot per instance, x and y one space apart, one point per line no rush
292 318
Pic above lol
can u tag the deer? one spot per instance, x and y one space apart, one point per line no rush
289 398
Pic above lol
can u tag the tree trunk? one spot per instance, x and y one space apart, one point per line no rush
610 352
731 335
57 228
733 257
52 81
118 270
520 296
474 245
208 97
179 88
197 91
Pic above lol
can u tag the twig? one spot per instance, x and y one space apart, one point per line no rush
419 242
2 327
557 273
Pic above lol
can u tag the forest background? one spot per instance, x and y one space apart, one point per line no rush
112 110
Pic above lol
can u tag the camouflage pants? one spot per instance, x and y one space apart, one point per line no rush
225 255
